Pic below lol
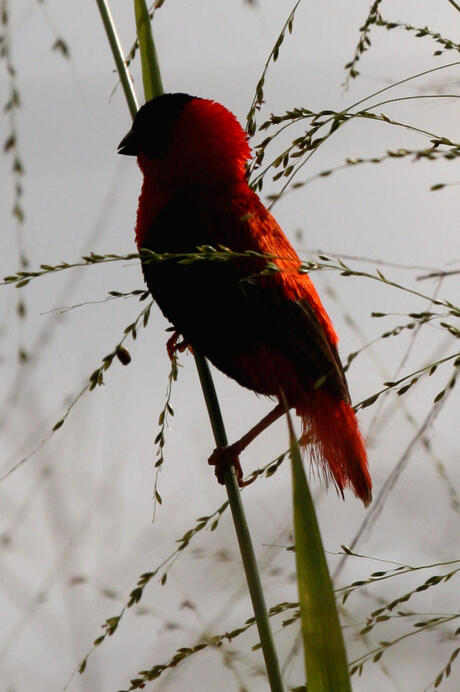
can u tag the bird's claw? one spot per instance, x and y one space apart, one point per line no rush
224 457
173 344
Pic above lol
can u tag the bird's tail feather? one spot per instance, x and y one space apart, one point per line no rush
331 433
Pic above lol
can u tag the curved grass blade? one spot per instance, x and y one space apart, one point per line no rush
324 650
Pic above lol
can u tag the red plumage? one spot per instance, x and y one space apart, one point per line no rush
271 333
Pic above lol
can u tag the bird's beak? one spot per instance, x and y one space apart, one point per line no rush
129 145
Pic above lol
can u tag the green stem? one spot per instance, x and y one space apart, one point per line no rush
117 52
151 76
242 530
212 404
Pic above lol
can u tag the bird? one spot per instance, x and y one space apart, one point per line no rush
268 330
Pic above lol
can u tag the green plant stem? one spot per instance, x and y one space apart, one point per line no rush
209 392
117 52
151 76
242 530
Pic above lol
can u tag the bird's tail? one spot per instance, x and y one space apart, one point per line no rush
331 434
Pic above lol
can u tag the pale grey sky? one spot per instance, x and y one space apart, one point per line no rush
77 517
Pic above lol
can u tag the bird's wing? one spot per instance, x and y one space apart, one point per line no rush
267 332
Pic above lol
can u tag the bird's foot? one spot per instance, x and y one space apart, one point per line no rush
222 458
305 439
173 344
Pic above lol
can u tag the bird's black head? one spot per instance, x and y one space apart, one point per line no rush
152 126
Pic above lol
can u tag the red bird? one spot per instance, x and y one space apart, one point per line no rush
270 333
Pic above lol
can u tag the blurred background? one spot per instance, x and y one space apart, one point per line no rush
76 514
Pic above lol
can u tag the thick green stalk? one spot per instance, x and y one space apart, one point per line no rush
151 76
153 87
242 530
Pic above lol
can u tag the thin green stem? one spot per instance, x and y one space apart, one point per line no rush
391 385
370 654
401 81
360 114
258 96
344 112
117 52
242 530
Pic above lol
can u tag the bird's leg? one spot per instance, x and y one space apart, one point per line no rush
222 457
172 346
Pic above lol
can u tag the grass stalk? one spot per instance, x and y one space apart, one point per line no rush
117 52
242 530
151 76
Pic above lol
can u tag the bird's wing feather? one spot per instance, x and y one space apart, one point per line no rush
263 331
